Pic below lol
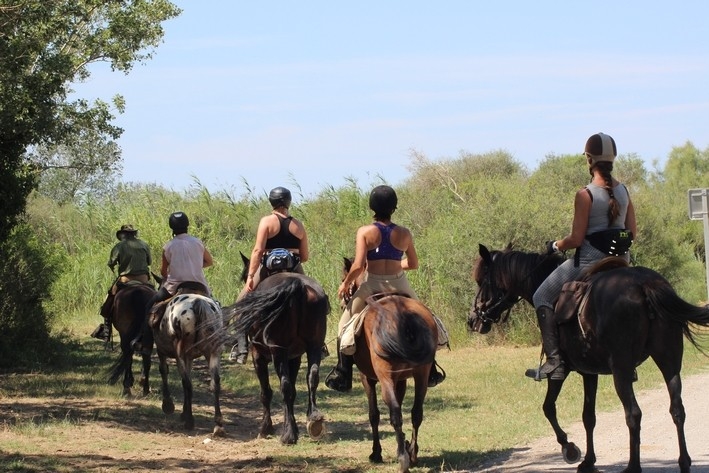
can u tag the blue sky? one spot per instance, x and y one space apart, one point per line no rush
317 93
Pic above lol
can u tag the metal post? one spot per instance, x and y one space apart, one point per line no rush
706 236
699 210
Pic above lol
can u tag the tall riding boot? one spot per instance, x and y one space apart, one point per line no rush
240 350
143 343
554 367
340 378
435 377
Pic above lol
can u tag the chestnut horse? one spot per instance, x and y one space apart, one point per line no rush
127 316
398 341
631 314
285 317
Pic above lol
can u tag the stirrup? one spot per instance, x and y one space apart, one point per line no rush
435 377
338 380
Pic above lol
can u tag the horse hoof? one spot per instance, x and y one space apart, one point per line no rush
219 431
168 407
316 429
571 453
376 458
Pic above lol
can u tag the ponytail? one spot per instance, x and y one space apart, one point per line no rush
605 168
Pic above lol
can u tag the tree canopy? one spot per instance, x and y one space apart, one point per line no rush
45 47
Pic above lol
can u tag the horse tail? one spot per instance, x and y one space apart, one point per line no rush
665 302
119 367
208 322
403 334
263 307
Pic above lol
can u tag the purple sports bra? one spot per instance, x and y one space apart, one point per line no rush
385 250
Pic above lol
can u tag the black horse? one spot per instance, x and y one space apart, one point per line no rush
631 314
127 315
285 317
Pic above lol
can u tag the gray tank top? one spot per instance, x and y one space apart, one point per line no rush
598 218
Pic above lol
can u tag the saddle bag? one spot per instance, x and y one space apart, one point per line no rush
614 241
280 259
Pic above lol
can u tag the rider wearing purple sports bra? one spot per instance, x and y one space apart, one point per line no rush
379 248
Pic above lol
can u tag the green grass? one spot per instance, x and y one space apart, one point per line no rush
485 407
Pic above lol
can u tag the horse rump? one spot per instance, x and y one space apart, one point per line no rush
402 333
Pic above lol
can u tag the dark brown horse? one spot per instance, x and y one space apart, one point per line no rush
631 314
127 317
398 341
285 317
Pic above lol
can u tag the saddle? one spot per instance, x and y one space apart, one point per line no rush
573 300
157 311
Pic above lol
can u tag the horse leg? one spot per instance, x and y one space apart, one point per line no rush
420 390
261 368
184 366
623 382
127 352
670 372
590 388
549 409
168 407
374 416
215 387
315 422
390 396
287 370
144 374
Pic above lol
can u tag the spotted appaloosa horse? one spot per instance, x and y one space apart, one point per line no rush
192 326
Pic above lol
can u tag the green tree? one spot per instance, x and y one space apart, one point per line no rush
45 46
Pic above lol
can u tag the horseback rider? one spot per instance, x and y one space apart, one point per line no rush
132 255
379 249
603 212
281 245
183 261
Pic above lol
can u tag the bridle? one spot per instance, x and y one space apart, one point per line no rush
502 302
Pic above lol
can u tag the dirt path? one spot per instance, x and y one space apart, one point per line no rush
658 448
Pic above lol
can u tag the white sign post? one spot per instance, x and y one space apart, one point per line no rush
699 210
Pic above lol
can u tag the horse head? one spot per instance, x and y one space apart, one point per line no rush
493 298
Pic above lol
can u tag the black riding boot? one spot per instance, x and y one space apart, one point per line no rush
554 367
143 343
435 377
103 331
240 350
340 378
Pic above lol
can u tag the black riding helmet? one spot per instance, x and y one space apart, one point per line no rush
279 197
179 222
382 201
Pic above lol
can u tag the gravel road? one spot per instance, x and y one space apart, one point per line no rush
658 441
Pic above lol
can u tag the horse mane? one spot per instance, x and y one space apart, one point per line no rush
402 334
509 262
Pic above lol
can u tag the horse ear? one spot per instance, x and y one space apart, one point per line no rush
484 253
244 259
347 262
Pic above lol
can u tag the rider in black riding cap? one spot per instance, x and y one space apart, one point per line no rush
385 251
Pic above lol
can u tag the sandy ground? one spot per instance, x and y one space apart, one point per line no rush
658 441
